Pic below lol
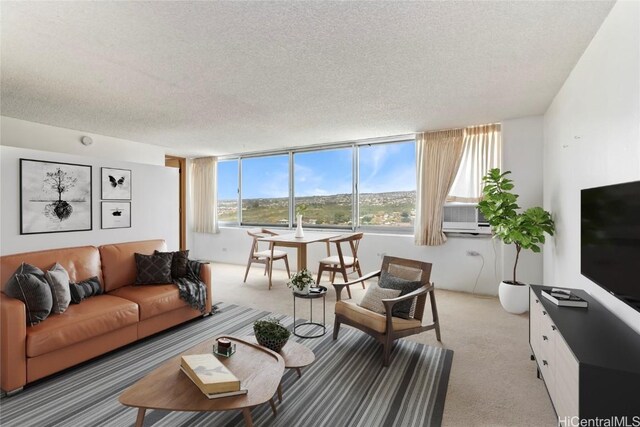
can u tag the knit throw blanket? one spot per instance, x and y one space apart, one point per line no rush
191 288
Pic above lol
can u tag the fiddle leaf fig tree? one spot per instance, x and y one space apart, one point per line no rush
526 230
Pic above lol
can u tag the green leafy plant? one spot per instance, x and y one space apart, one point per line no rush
271 334
301 209
301 279
526 230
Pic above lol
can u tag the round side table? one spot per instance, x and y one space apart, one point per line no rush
310 296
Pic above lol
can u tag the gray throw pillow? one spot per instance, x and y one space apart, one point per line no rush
402 309
29 286
85 289
153 269
372 299
179 262
58 280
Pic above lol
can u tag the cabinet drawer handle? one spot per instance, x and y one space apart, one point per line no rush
544 313
537 301
553 327
544 362
544 338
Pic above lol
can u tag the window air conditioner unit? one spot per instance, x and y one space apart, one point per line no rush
464 218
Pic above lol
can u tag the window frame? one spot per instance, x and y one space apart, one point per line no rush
355 179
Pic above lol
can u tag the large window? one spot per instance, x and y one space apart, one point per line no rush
228 191
323 186
331 187
387 184
265 190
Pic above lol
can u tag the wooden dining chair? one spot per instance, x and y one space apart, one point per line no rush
386 328
341 262
266 256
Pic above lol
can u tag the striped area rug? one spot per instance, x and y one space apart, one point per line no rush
346 386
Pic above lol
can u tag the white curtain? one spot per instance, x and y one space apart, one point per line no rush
204 194
482 151
438 156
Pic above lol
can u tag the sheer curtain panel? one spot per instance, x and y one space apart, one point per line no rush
438 156
482 151
203 194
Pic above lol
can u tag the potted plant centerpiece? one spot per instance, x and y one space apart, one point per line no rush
301 282
524 229
271 334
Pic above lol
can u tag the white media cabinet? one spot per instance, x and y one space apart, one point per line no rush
588 358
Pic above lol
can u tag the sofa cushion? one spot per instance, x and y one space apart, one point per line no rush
152 300
375 321
29 286
85 289
58 280
118 262
94 317
179 262
153 269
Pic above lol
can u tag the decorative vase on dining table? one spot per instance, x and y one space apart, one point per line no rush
299 230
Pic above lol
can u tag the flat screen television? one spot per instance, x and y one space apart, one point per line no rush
610 239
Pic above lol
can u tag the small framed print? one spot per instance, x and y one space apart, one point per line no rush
116 215
116 184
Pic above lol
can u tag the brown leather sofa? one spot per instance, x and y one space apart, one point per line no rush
121 315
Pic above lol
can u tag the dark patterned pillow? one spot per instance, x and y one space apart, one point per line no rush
85 289
404 308
178 263
153 269
29 286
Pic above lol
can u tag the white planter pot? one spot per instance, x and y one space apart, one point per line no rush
304 291
514 298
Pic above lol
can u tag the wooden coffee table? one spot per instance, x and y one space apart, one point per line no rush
167 388
296 356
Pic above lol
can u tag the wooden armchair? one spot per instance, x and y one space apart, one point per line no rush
341 262
266 256
384 327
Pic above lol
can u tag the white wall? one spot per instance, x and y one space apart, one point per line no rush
522 155
453 269
24 134
592 138
154 209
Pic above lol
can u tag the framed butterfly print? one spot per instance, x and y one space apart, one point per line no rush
116 184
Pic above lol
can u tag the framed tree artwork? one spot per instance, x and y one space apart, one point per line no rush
116 184
116 215
54 197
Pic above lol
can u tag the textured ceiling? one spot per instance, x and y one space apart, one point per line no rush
229 77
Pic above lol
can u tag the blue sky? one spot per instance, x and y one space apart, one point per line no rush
383 167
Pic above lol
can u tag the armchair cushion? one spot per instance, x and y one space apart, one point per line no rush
372 320
372 299
404 309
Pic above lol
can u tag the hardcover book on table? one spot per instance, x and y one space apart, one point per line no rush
564 298
209 374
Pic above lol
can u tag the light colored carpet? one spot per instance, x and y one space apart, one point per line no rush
493 381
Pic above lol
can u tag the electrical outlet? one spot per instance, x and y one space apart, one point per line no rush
473 253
